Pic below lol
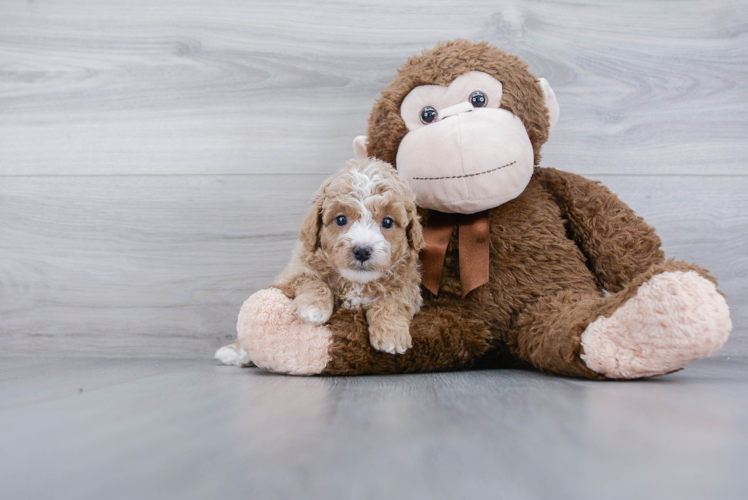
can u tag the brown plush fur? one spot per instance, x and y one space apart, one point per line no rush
313 278
554 250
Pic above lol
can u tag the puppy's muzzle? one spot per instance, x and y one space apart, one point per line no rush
361 253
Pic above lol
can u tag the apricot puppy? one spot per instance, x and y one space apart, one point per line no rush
358 248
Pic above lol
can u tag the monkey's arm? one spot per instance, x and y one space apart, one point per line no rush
617 242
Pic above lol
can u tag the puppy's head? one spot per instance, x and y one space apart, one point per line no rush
363 220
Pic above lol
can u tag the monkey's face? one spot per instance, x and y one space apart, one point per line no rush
463 123
463 153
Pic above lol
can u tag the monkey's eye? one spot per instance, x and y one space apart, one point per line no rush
428 115
341 220
478 99
387 223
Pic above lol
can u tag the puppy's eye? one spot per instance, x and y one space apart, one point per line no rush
387 223
428 115
341 220
478 99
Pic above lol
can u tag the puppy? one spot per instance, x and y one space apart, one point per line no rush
358 248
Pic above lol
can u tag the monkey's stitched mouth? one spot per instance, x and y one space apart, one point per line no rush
463 176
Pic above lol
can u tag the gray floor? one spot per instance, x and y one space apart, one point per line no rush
193 429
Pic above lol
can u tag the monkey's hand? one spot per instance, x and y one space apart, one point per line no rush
389 326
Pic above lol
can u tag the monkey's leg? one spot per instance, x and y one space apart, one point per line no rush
276 339
665 318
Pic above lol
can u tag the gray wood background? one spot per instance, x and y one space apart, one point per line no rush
156 158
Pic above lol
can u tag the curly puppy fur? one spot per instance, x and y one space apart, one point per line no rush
350 215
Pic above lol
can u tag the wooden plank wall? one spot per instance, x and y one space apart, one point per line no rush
156 158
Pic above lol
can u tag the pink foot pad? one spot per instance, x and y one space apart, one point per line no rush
675 318
277 340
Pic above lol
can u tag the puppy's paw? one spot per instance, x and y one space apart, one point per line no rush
393 339
313 315
312 309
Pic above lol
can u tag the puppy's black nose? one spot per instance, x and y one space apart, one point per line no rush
362 254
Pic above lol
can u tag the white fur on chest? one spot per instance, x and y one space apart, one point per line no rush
356 297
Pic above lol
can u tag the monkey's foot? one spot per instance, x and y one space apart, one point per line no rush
277 340
674 318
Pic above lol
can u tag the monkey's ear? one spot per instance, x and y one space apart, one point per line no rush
309 234
359 148
550 102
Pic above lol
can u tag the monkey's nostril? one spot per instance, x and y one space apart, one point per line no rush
362 254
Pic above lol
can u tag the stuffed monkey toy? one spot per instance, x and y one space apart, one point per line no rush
524 266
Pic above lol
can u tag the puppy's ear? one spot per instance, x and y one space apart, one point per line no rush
310 228
309 234
414 231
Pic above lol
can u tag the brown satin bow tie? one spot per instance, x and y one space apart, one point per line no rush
472 249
